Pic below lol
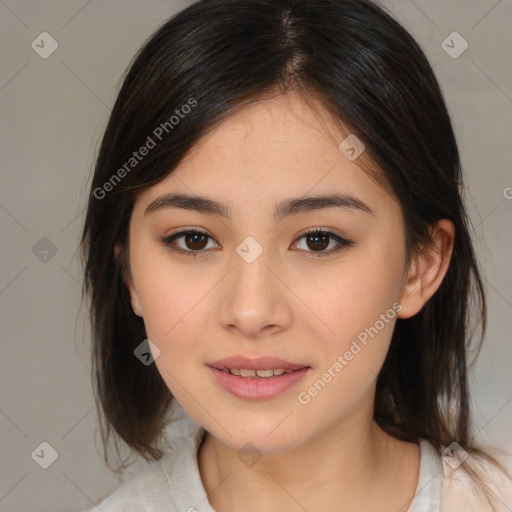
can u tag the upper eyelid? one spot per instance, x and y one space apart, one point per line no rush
204 232
178 234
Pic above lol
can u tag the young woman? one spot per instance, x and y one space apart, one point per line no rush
281 277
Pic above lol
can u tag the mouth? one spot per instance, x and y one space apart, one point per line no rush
261 379
250 373
256 368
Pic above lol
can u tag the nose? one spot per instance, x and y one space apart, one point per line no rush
254 301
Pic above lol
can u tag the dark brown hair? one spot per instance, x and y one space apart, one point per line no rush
372 76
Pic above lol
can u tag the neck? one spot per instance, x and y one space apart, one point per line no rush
351 467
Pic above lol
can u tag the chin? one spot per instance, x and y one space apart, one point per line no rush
258 439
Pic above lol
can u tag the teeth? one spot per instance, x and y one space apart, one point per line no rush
264 373
242 372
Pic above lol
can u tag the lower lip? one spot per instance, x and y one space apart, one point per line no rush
258 388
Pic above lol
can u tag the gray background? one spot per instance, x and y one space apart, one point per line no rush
53 113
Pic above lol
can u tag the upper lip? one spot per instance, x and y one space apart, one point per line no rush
258 363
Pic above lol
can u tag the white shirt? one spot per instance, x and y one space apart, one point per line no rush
173 484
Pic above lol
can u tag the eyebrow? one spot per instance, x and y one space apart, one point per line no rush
289 207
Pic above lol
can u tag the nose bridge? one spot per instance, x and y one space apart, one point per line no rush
252 278
253 298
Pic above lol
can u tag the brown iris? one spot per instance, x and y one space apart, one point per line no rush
196 241
321 241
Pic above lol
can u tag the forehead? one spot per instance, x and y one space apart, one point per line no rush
276 148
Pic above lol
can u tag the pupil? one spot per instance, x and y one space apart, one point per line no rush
324 240
193 239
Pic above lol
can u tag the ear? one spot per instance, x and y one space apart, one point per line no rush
427 269
128 280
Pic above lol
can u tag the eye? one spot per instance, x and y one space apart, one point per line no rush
318 240
194 241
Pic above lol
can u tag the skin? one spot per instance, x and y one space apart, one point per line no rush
288 303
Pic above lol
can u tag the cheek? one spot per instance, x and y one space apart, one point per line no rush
353 297
356 313
174 303
359 309
173 316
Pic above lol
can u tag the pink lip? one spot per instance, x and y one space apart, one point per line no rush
255 388
259 363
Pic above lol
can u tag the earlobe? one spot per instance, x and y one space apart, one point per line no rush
428 269
136 305
128 281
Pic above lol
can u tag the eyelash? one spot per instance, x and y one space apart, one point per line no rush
342 242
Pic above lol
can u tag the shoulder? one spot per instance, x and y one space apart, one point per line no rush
154 489
146 492
462 492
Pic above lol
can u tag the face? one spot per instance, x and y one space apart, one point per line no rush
255 285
